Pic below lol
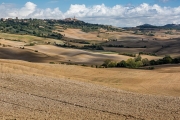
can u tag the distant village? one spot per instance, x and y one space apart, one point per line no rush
25 20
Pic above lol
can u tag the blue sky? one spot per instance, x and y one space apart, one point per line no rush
64 4
112 12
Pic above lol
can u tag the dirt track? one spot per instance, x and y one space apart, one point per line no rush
37 97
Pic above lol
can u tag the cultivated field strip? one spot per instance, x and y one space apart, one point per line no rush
37 97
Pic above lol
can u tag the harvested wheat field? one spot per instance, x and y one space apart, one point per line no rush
14 39
45 91
48 53
78 34
12 43
76 55
26 55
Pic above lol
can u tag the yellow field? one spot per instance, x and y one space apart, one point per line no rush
46 91
40 90
161 81
78 34
27 38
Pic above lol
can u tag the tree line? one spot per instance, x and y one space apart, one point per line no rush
138 62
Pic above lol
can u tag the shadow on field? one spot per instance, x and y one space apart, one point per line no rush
25 55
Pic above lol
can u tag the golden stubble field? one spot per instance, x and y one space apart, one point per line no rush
45 91
59 91
124 35
161 81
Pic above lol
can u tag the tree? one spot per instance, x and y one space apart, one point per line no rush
131 63
167 59
122 64
139 64
176 60
106 63
152 62
145 62
112 64
138 58
109 63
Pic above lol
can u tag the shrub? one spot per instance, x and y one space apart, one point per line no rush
167 59
84 65
145 62
31 44
150 34
176 60
153 62
129 54
122 64
112 64
106 63
109 63
139 64
143 53
138 58
131 63
150 68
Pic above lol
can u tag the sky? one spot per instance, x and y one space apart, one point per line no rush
120 13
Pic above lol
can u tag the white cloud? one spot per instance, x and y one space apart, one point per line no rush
118 15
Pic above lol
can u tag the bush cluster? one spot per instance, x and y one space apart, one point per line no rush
151 54
138 62
91 47
128 54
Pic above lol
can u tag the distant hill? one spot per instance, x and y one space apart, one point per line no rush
147 26
174 26
167 26
46 28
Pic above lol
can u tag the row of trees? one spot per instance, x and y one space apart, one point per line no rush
138 62
90 46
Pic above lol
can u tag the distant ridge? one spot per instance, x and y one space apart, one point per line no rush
167 26
147 26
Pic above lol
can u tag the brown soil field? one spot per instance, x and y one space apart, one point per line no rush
76 55
45 91
166 47
26 55
49 53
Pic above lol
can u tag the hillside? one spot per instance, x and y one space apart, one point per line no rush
43 91
67 69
